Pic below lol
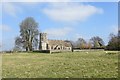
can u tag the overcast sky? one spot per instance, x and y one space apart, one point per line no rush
61 20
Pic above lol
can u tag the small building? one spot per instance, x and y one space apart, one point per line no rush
53 45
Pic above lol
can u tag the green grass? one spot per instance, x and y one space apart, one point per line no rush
95 64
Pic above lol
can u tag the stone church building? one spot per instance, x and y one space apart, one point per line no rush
53 45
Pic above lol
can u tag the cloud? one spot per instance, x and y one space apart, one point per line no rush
58 32
5 28
69 12
11 9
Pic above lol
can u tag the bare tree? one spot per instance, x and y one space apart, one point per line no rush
81 43
97 42
28 34
89 45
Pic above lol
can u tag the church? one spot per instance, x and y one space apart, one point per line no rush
53 45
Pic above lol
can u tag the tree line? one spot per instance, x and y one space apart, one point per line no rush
94 43
98 43
28 39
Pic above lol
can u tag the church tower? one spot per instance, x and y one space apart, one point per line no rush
43 41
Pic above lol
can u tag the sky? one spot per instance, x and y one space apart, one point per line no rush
60 20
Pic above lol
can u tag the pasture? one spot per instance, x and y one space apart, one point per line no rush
92 64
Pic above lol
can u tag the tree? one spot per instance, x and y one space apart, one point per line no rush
28 34
114 42
89 45
81 43
97 42
16 49
18 44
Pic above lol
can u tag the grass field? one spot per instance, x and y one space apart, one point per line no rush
96 64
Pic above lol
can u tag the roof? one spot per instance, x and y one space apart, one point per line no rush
59 42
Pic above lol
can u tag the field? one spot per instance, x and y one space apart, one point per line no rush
92 64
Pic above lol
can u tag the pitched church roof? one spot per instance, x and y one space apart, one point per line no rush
59 42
